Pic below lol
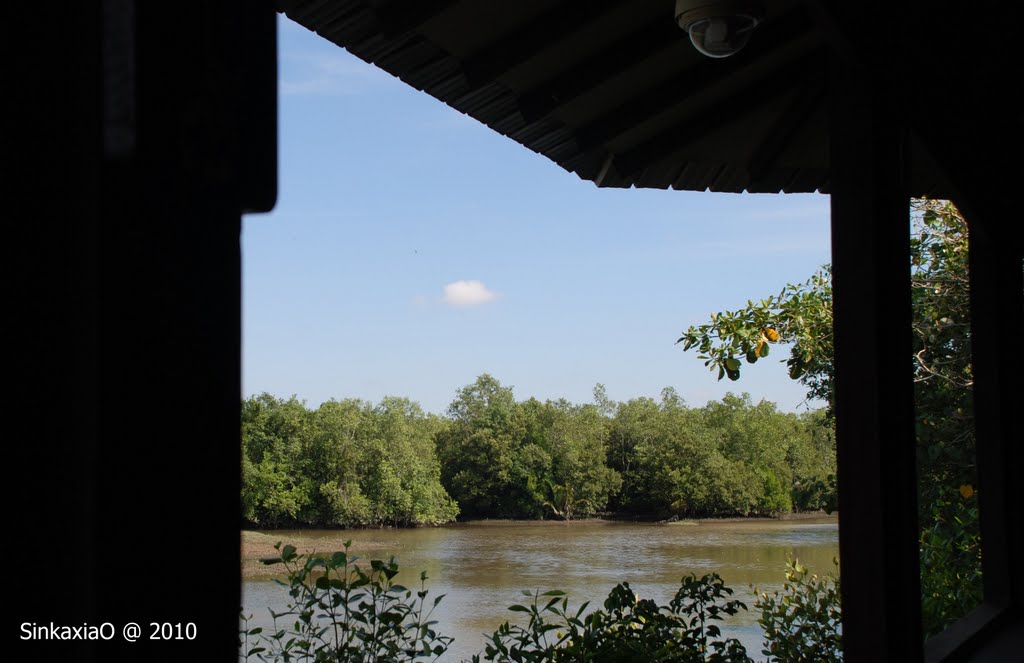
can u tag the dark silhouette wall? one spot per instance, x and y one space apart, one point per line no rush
143 131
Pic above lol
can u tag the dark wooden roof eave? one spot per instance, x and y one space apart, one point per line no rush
648 139
616 94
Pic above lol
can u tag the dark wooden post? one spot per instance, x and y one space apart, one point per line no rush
997 318
145 130
874 372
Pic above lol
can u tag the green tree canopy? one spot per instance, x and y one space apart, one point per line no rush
353 463
345 463
801 316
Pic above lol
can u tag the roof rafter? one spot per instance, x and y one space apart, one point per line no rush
693 126
631 50
695 80
400 16
839 38
625 53
785 128
527 40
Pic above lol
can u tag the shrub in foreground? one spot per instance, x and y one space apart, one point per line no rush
627 629
340 611
803 621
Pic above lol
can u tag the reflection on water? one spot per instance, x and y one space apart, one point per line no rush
482 567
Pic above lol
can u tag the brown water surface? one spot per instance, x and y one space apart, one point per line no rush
482 567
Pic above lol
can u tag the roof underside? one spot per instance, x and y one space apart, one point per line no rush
612 91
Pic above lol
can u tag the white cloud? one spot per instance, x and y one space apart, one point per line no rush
467 293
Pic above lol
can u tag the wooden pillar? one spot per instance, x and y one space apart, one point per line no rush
874 403
145 130
962 137
997 318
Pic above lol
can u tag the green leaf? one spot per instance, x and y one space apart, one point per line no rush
764 349
732 364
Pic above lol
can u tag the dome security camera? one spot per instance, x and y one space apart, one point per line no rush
718 28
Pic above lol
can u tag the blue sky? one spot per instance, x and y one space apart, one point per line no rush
413 248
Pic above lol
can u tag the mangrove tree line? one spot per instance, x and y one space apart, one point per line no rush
351 463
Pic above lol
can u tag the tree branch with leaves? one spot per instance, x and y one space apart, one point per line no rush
801 316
